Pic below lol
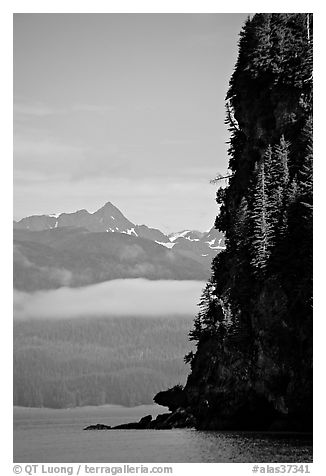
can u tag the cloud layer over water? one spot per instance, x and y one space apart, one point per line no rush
121 297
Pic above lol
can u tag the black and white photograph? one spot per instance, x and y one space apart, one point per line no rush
162 239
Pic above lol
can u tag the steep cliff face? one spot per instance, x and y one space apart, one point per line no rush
253 365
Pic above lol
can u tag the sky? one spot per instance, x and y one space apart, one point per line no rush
127 108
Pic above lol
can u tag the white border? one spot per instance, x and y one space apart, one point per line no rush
6 209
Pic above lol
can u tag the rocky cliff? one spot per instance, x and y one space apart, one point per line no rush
253 364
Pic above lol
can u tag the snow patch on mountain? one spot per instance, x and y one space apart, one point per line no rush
167 245
175 236
130 231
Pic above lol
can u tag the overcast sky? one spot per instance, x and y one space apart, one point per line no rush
127 108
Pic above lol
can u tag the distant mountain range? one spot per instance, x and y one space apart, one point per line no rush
81 248
108 218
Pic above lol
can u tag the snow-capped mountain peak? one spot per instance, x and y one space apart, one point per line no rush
189 243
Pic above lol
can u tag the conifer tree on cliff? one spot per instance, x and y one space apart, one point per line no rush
258 371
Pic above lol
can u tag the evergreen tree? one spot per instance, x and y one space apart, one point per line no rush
260 219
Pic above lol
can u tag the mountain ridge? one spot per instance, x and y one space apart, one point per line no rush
106 218
110 219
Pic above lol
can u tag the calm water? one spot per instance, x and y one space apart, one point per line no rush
56 436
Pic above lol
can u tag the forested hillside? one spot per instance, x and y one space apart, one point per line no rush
76 362
253 364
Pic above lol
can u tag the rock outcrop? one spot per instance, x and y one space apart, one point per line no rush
179 418
98 426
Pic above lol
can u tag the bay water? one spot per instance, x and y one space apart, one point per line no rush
43 435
